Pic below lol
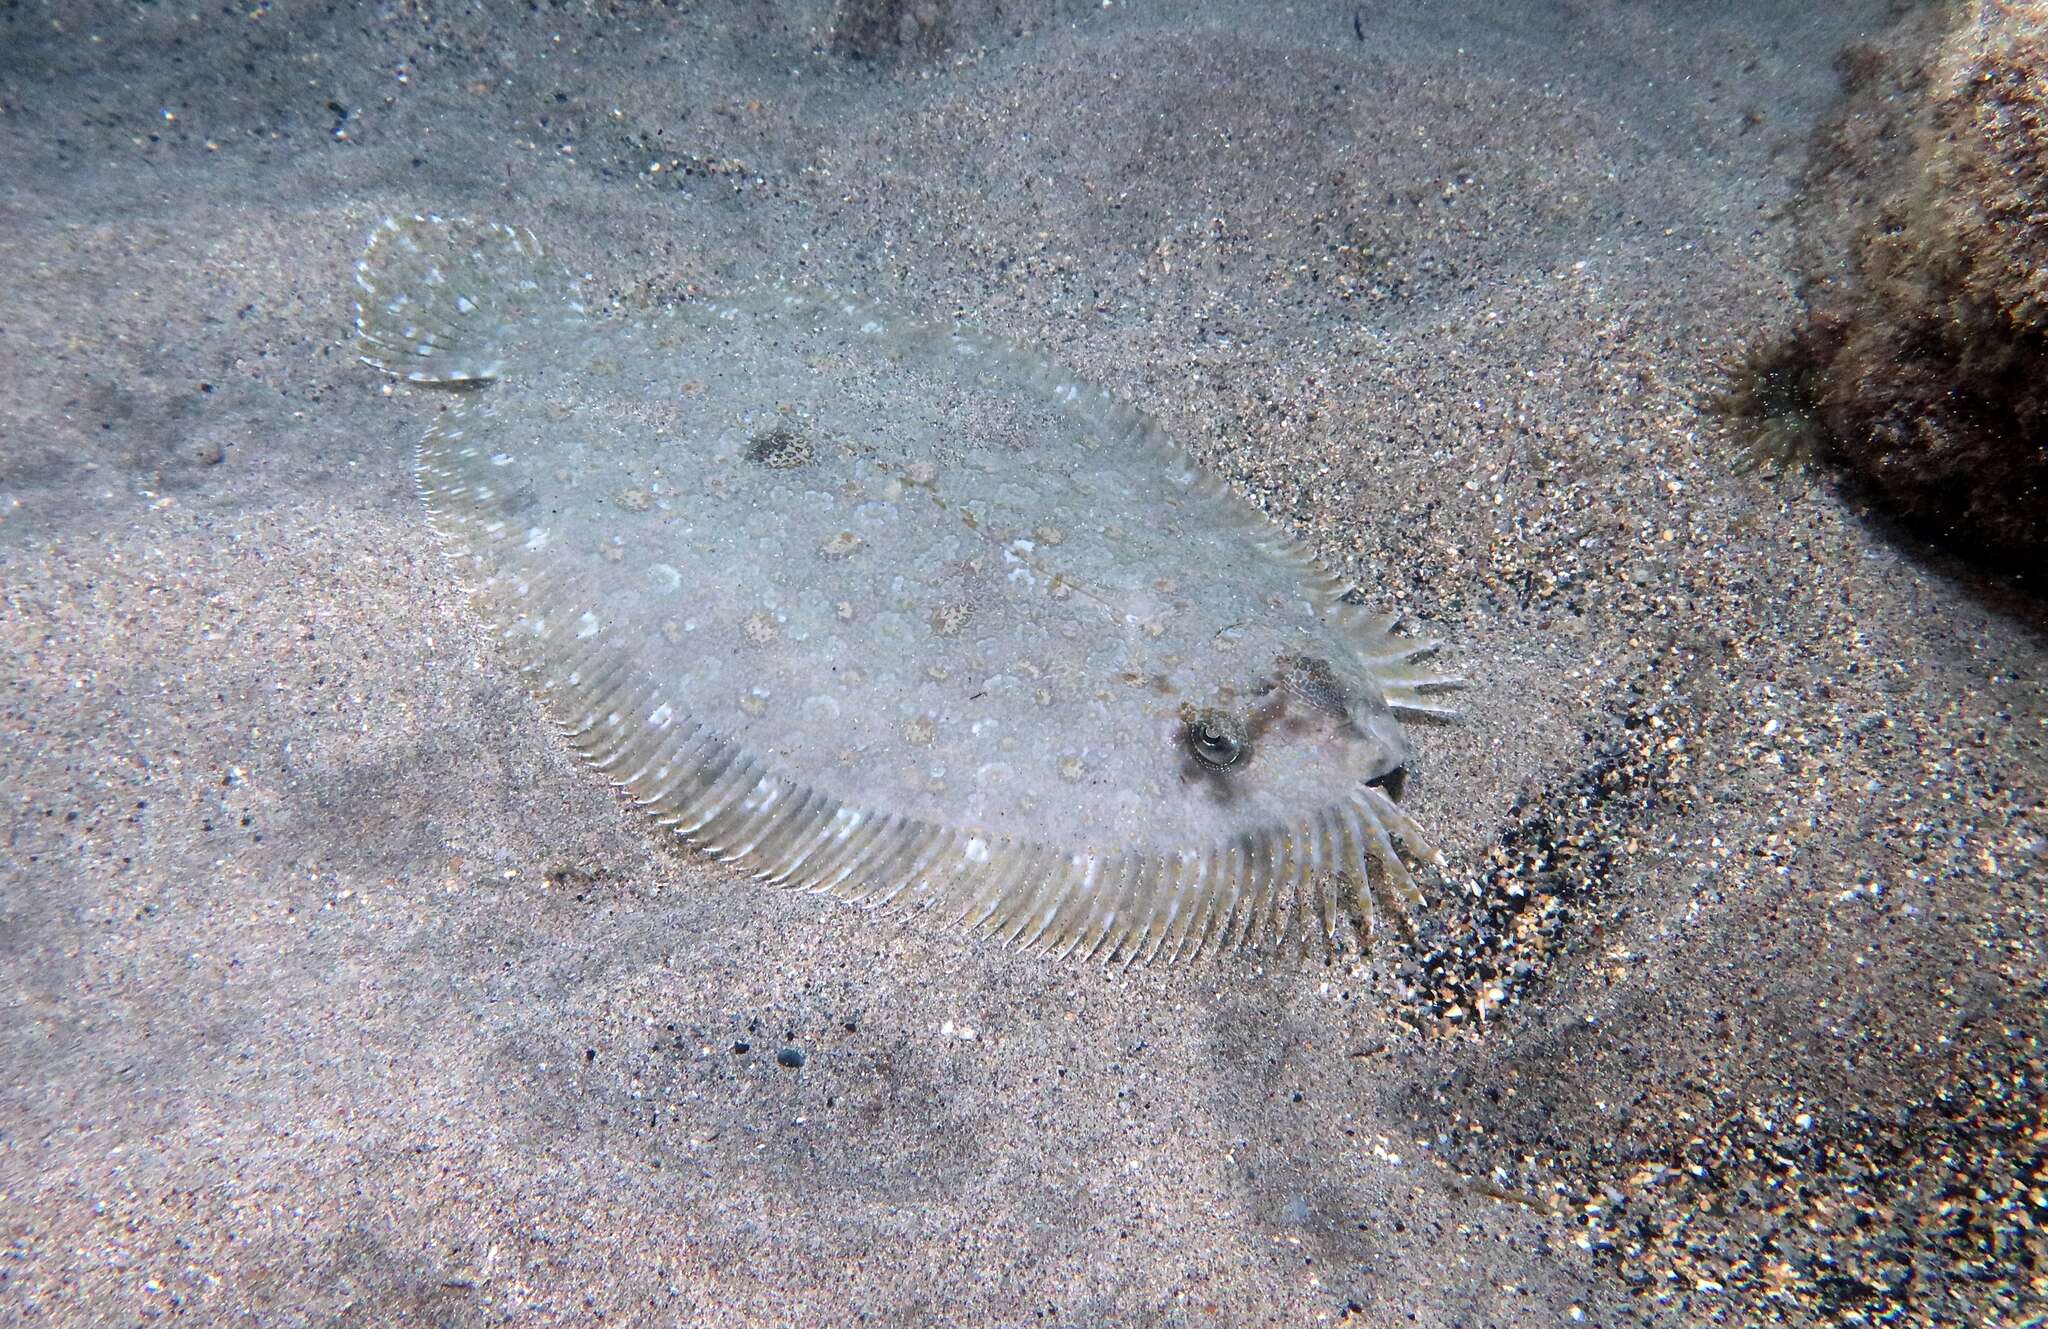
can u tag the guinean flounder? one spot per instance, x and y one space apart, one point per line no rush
903 613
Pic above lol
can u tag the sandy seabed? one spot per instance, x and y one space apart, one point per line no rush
335 993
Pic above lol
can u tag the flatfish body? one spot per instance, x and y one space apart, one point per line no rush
903 613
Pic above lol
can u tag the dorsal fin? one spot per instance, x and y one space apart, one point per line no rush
448 300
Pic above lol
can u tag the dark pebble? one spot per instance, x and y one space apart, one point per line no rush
790 1057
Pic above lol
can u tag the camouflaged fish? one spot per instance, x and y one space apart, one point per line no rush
903 613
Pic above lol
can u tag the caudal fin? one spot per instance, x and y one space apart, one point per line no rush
449 300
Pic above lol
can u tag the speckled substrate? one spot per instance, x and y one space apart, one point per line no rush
337 994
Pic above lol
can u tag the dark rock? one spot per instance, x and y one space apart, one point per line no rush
1924 359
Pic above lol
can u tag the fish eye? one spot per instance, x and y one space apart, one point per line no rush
1216 741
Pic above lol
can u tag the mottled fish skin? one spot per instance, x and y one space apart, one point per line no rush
903 613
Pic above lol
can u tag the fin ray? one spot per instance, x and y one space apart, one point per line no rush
446 300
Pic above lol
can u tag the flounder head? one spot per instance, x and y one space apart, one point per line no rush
1305 723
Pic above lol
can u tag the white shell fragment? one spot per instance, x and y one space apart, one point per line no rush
903 613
